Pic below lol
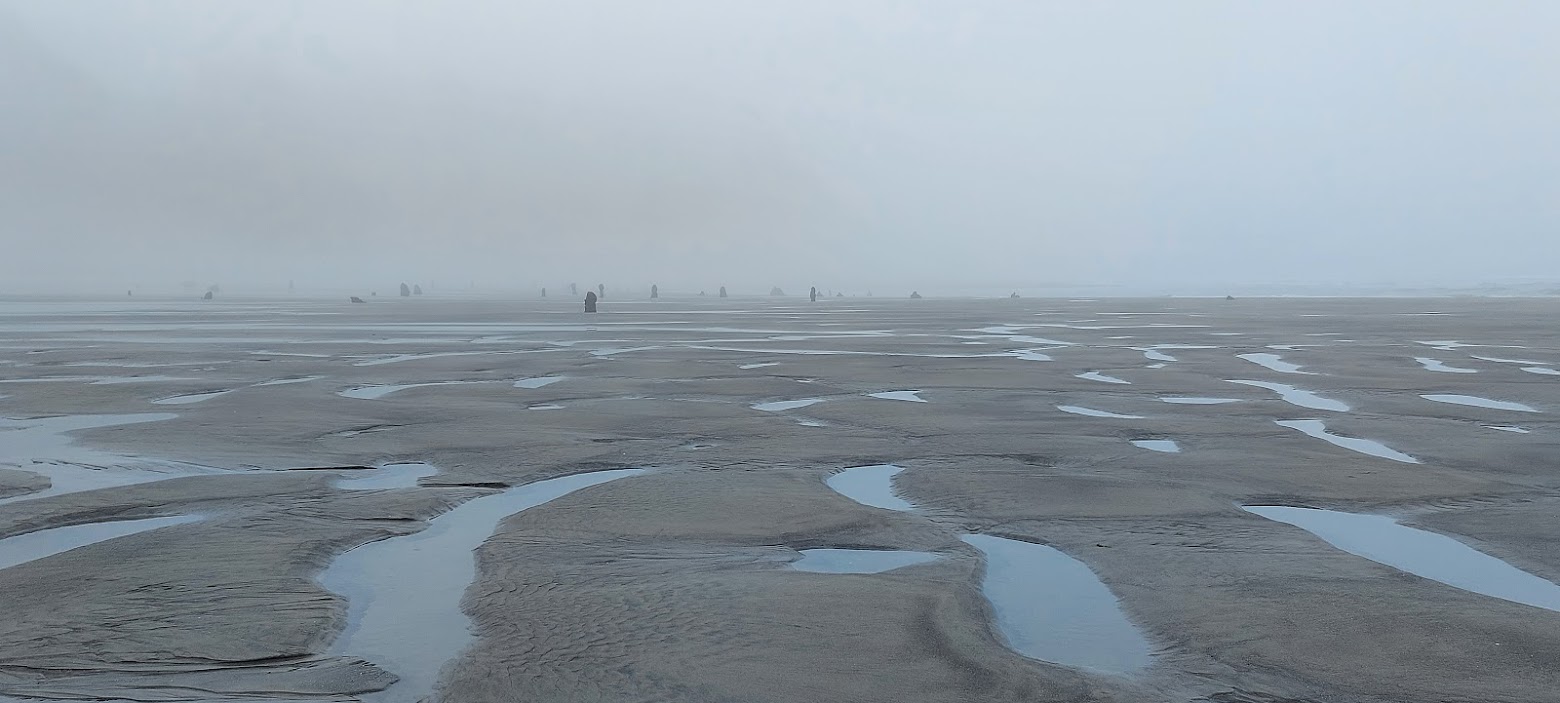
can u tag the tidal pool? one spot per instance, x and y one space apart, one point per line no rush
375 392
779 405
191 398
1437 365
1273 362
858 561
1197 400
870 485
289 381
1051 607
1318 429
1091 412
1102 378
1478 402
908 396
537 382
46 543
1427 554
1158 445
389 476
1296 396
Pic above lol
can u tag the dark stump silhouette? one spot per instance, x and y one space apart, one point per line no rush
655 291
813 294
590 301
1014 295
207 296
776 291
416 289
601 291
406 291
722 291
839 295
914 295
544 292
1229 297
356 299
574 289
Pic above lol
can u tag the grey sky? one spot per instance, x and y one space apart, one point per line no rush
844 143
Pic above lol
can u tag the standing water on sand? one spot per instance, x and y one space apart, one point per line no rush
783 405
42 446
1051 607
1477 402
1436 557
403 593
870 485
45 543
1273 362
907 396
858 561
1318 429
1296 396
389 476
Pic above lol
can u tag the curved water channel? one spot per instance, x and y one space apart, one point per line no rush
1318 429
1274 362
403 593
907 396
1477 402
1296 396
1433 556
1047 605
858 561
33 546
44 446
870 485
1091 412
1101 377
1166 446
1438 365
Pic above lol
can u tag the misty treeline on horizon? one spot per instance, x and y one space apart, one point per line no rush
850 145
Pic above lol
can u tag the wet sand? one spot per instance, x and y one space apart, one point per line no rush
677 583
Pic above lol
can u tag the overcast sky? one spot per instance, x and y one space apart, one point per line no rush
850 144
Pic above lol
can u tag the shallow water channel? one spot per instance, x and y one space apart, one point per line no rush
858 561
1048 606
1318 429
46 543
1433 556
403 593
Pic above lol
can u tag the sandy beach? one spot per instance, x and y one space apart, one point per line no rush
1103 451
